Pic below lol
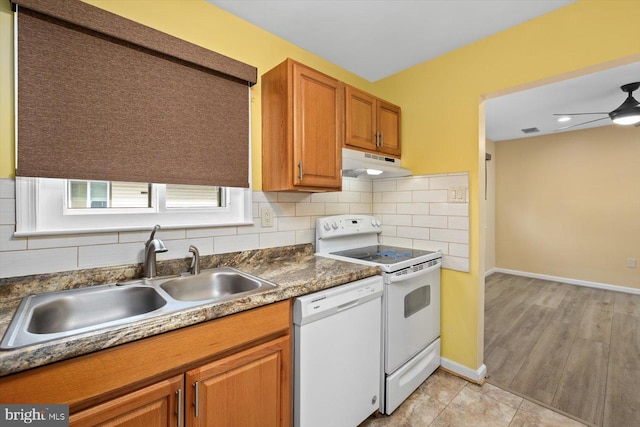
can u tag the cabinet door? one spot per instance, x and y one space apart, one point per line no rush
388 128
360 119
317 128
250 388
159 404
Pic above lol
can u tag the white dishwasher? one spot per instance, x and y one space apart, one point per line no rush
337 354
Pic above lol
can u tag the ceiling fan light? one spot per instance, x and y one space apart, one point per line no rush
627 119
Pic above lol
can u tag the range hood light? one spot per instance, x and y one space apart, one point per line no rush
373 172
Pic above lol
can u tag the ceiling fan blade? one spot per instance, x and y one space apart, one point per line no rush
580 124
576 114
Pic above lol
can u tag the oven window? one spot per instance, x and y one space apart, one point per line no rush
416 300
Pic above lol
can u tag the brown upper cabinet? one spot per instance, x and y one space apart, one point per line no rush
371 123
302 129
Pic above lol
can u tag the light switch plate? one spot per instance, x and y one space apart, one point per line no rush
457 195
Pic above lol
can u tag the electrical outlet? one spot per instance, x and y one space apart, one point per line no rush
266 215
631 263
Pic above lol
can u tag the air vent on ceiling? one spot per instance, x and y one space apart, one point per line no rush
530 130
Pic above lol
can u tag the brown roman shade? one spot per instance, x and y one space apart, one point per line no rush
101 97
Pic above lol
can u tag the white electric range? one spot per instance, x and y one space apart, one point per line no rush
411 300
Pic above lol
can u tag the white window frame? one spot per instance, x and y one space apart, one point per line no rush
41 209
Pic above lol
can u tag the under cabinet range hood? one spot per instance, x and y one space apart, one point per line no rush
359 164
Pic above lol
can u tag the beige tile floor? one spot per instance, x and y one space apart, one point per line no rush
446 400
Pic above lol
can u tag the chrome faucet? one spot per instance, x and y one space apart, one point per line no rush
195 261
151 248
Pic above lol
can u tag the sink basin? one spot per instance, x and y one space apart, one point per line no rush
50 316
213 284
80 310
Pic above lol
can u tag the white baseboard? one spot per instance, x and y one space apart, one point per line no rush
476 376
577 282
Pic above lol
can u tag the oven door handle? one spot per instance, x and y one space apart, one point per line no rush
395 277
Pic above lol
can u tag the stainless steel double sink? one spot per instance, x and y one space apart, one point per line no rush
45 317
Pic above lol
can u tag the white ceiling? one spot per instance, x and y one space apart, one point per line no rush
377 38
506 116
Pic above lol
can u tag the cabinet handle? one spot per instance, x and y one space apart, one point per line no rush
381 139
377 139
300 166
179 409
196 402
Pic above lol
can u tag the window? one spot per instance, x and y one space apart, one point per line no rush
47 206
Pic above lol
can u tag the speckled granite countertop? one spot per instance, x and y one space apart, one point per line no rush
294 269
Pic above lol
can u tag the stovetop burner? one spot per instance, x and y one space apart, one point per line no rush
382 254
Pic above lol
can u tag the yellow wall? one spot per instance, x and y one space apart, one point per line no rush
440 105
568 204
440 101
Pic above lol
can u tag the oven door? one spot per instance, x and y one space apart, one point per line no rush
412 313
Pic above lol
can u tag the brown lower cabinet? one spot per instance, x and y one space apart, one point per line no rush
232 371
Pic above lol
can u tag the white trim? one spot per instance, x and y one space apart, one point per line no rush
476 376
577 282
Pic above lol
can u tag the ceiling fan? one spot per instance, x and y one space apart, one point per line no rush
628 113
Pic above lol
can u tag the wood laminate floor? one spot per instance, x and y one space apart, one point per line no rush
571 348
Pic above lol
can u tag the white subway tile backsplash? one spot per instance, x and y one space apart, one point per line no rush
413 210
429 196
295 223
385 208
142 236
324 197
7 211
294 197
452 236
336 208
245 242
8 242
305 236
308 209
416 183
349 197
39 261
429 221
385 185
282 238
459 250
458 222
72 240
396 197
7 188
453 209
360 208
452 180
195 233
104 255
396 219
397 241
360 185
283 209
413 232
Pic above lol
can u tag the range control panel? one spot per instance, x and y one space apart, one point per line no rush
346 225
